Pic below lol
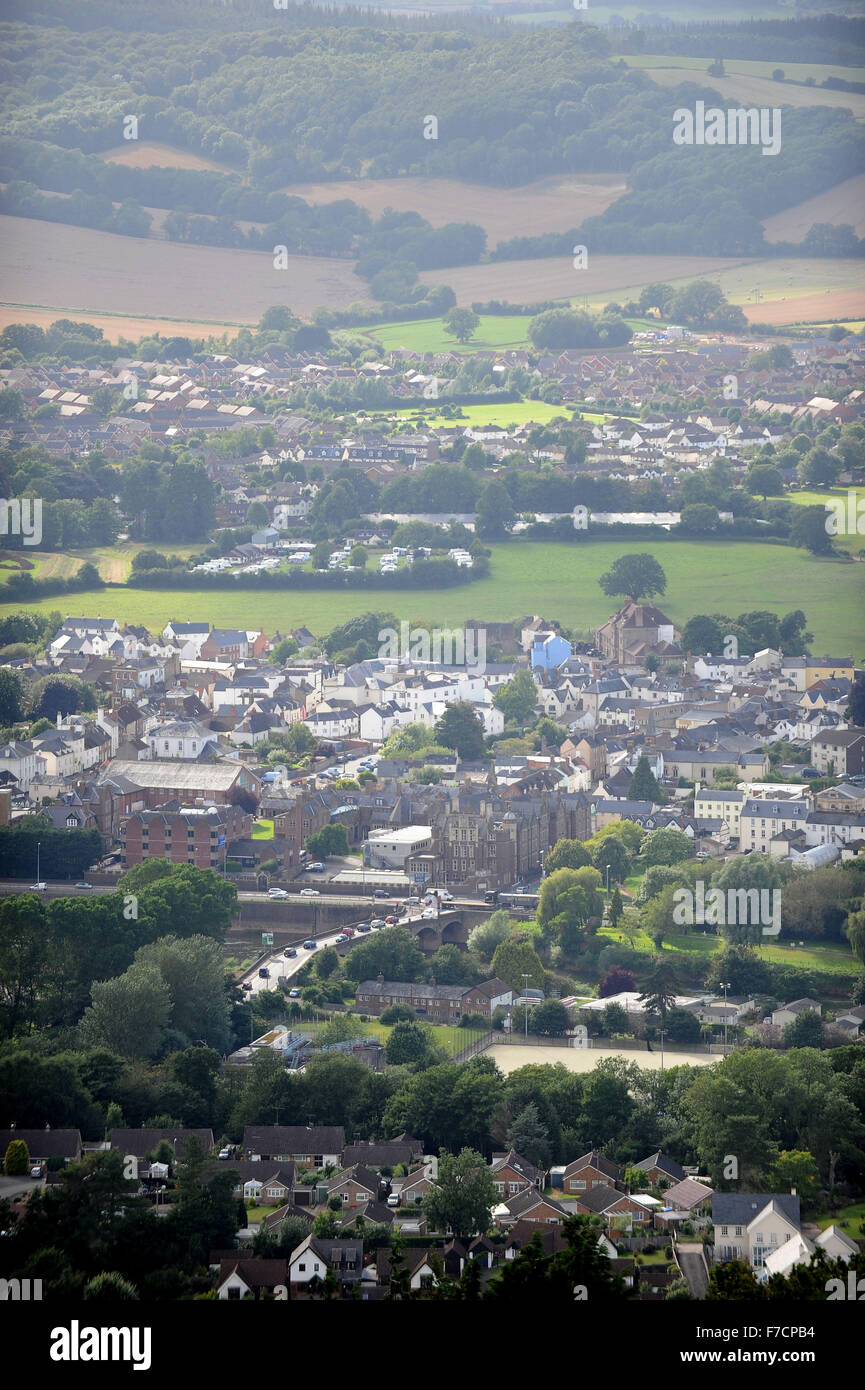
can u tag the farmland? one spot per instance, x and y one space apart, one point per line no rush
702 577
845 203
547 205
751 83
147 154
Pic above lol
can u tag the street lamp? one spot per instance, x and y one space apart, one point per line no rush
526 978
38 849
662 1050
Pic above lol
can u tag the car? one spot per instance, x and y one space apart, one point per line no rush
303 854
412 902
36 1170
348 932
277 893
381 893
289 952
82 884
309 893
315 868
393 1199
701 855
294 994
445 896
225 1153
364 926
38 887
429 912
264 973
338 940
247 985
377 922
310 945
391 921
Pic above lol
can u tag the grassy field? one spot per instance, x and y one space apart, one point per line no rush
559 580
506 414
429 335
263 829
751 83
855 541
829 959
851 1220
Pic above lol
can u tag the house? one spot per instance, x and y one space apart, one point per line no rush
314 1147
415 1187
46 1143
268 1184
239 1278
788 1013
140 1142
530 1205
750 1225
619 1210
356 1186
851 1021
839 752
688 1195
799 1249
590 1171
314 1259
416 1265
513 1174
384 1155
661 1170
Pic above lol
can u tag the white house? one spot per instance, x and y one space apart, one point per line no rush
180 738
18 758
749 1226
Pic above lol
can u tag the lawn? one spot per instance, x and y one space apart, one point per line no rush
850 1219
263 829
559 580
442 1033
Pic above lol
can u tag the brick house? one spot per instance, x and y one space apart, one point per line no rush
185 835
513 1174
619 1211
356 1186
314 1147
590 1171
661 1170
530 1205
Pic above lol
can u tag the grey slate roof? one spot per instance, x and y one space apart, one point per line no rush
740 1208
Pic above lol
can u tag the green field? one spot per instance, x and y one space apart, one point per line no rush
745 67
557 580
854 541
850 1219
428 335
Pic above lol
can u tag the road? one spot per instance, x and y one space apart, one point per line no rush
693 1268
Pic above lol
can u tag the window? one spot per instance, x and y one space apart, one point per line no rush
738 1231
302 1269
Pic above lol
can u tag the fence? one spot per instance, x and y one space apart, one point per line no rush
479 1045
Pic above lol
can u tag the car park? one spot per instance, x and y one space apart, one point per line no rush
309 893
310 945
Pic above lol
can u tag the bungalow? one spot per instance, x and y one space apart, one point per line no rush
403 1149
356 1186
788 1013
315 1147
416 1264
513 1174
688 1195
416 1186
140 1142
592 1170
249 1278
619 1210
530 1205
43 1144
661 1170
268 1184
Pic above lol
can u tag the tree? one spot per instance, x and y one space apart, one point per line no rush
53 695
512 960
549 1019
701 634
615 1017
358 556
609 852
257 514
393 953
808 530
12 696
820 468
284 650
667 847
616 908
332 839
17 1160
129 1014
856 934
806 1030
636 576
795 1170
617 980
486 936
765 481
566 854
568 898
407 1043
528 1136
109 1287
660 989
856 707
462 1196
517 698
744 873
682 1026
495 512
644 784
461 729
340 1028
326 963
193 969
553 1279
461 323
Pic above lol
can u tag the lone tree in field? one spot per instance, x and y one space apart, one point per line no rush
635 576
461 323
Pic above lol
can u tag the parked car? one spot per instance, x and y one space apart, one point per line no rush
294 994
264 973
315 868
277 893
247 985
393 1199
310 945
82 884
289 951
381 893
225 1153
36 1170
